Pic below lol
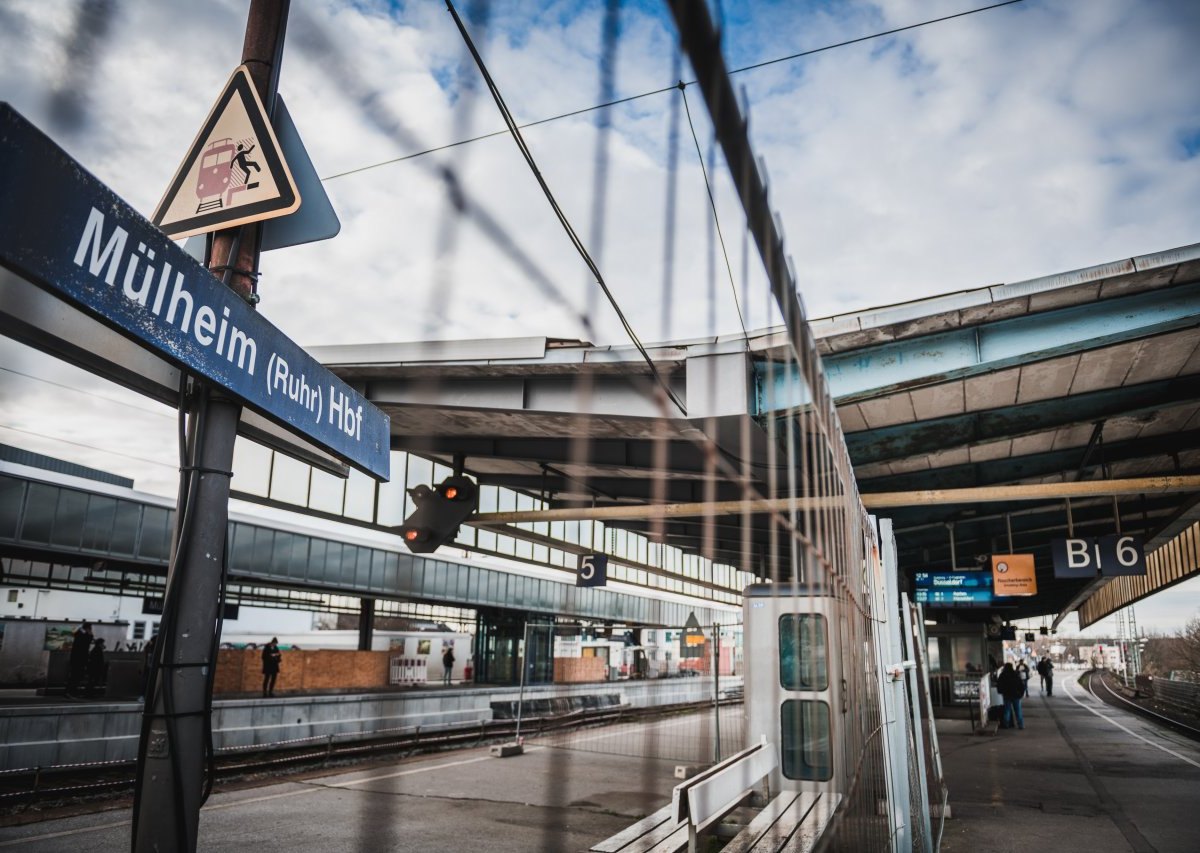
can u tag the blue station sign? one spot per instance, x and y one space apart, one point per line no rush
67 232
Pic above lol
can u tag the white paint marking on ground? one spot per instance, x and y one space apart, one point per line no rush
1125 729
568 739
30 838
311 789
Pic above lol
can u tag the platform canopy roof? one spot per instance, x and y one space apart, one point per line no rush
1079 377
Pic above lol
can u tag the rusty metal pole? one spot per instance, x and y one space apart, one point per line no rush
176 729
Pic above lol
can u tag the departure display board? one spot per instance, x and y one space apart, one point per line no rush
953 589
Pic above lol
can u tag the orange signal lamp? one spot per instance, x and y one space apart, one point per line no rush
450 492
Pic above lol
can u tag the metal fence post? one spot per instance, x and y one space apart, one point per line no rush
521 693
717 691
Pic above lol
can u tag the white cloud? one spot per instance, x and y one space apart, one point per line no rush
1019 142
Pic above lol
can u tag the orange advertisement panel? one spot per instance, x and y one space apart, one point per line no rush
1013 574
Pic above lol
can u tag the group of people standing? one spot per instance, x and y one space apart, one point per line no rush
87 667
1013 684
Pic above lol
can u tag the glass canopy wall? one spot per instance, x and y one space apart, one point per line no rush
634 559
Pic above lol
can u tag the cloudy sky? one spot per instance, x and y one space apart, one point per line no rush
1027 140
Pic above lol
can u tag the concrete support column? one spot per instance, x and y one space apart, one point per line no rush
366 624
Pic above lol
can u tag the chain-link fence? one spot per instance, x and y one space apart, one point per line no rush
691 676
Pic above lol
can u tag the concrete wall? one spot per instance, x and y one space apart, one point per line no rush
45 735
240 670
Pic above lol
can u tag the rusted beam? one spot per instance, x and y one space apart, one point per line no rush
879 500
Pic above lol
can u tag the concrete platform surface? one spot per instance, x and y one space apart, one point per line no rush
544 800
1082 777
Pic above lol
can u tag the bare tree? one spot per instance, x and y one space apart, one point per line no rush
1188 645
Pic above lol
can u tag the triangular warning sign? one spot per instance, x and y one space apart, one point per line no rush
234 172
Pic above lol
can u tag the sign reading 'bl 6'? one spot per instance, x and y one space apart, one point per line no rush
1100 555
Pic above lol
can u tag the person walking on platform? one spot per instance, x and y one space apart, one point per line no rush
97 668
447 664
147 667
81 645
1045 669
1023 671
1011 688
271 656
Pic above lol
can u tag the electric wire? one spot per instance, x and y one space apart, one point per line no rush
628 99
164 647
86 446
712 201
156 412
558 212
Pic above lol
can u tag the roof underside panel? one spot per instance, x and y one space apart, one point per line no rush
1088 375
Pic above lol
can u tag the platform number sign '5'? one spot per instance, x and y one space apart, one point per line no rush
593 570
1102 555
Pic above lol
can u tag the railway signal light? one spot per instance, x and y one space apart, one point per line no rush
440 512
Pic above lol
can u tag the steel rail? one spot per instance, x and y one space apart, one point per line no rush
1189 731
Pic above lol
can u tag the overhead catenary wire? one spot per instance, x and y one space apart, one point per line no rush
156 412
663 90
712 201
558 212
86 446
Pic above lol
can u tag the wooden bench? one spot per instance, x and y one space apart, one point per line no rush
791 822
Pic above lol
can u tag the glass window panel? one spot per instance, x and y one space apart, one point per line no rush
968 654
392 502
803 659
934 654
156 534
362 573
12 495
241 551
391 571
805 744
289 480
327 492
68 518
39 513
281 554
125 528
318 558
524 549
360 496
251 466
97 529
264 541
335 560
485 539
298 564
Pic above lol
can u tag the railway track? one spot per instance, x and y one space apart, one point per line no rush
1097 683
